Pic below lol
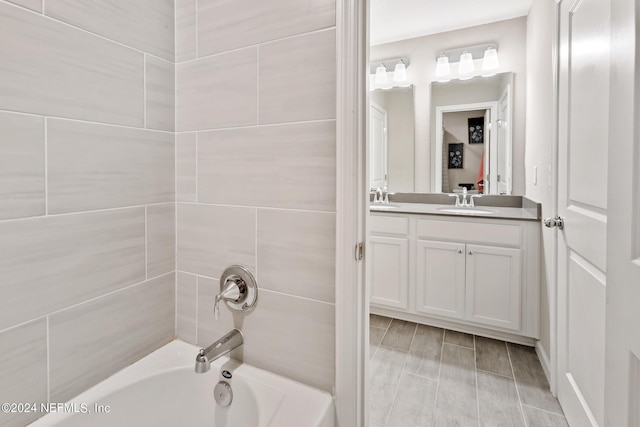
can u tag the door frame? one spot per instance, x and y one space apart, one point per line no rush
352 204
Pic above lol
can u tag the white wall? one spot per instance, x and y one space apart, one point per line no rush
510 35
539 150
87 154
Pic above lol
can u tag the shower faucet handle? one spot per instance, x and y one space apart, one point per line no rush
238 289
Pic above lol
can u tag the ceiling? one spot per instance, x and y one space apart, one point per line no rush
393 20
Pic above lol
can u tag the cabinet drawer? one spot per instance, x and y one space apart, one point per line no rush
500 234
389 224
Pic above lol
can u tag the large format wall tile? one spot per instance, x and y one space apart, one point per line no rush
218 91
160 93
186 147
186 12
211 238
287 335
161 239
53 69
287 166
296 253
227 25
93 166
23 369
146 25
29 4
50 263
21 165
297 79
94 340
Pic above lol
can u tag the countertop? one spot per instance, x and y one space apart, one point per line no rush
496 212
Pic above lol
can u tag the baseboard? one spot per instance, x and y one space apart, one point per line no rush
544 360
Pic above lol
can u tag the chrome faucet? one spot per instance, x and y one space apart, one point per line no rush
380 195
218 349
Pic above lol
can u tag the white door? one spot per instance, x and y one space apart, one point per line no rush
388 268
487 152
582 203
622 372
378 141
494 280
440 278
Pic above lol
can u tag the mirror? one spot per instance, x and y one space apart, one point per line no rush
472 134
391 139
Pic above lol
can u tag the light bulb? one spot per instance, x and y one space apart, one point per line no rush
442 67
490 60
466 64
400 73
381 75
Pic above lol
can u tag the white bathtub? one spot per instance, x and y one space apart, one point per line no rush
162 390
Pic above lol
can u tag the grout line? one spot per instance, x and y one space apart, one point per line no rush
197 305
475 371
258 84
197 180
395 395
96 211
260 125
459 346
197 32
70 119
494 373
144 90
435 404
175 306
48 362
257 207
544 410
198 57
43 7
146 244
256 246
46 169
516 384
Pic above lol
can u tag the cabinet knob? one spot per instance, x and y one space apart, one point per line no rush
470 253
460 251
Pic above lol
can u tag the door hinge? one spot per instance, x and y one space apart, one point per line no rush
359 251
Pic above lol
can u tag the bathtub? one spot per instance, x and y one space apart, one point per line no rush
162 390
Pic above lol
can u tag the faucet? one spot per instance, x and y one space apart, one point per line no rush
224 345
380 195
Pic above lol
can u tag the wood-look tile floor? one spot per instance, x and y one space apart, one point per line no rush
424 376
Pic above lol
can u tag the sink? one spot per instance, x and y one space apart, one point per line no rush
467 210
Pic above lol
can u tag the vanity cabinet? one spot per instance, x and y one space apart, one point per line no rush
388 268
479 274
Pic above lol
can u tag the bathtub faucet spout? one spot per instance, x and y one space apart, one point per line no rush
218 349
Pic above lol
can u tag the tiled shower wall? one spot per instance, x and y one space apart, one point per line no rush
255 173
87 200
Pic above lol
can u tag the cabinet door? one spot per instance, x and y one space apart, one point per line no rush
440 277
494 279
388 268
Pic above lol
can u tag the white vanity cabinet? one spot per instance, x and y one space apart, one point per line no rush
479 275
388 269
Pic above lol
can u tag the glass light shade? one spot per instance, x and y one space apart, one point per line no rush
490 60
381 75
442 67
400 73
466 64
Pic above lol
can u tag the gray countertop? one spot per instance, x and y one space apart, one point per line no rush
496 212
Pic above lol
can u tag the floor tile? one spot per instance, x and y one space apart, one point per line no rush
399 335
538 418
425 352
458 338
414 404
376 321
531 380
498 401
492 356
447 419
457 388
375 337
385 371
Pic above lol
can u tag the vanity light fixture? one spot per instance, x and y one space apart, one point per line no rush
443 69
381 75
466 56
400 73
490 60
380 69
